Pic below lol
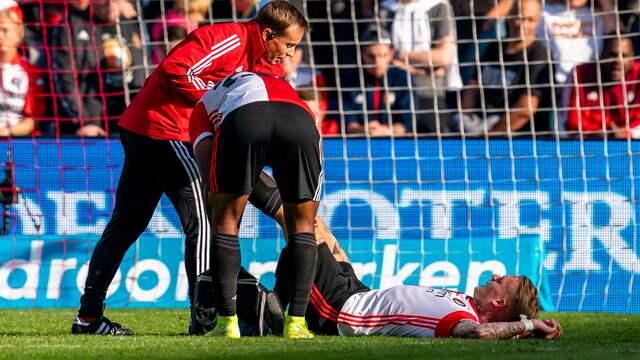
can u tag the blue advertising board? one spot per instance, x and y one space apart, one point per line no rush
443 213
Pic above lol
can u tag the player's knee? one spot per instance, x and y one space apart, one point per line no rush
266 196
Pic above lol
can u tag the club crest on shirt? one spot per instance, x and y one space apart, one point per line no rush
631 96
592 96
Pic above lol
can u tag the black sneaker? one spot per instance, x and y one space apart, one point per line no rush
203 314
202 320
102 326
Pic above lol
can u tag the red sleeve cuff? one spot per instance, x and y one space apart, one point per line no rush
447 323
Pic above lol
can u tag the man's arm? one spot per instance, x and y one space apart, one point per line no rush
548 329
519 115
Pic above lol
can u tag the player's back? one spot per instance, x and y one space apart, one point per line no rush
234 92
414 311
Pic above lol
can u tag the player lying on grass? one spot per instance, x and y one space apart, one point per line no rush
245 122
341 304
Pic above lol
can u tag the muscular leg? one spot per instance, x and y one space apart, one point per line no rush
226 214
302 253
266 198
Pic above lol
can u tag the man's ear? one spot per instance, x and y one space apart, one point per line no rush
499 303
267 34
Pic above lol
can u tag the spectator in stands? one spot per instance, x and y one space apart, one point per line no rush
513 83
308 96
424 37
93 63
478 23
383 96
234 10
174 26
302 77
20 82
611 102
573 32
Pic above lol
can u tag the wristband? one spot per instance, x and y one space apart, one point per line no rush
528 325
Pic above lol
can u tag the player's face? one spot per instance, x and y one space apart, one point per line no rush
290 64
377 59
499 287
283 45
613 68
10 34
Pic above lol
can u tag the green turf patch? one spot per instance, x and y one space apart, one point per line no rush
161 334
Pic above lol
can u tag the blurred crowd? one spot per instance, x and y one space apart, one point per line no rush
556 68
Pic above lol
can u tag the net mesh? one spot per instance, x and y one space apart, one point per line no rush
501 137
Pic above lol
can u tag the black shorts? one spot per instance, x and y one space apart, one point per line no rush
278 134
335 282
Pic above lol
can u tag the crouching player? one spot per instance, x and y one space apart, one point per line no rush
341 304
245 122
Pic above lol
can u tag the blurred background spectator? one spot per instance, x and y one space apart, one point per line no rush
303 77
92 59
573 30
513 83
606 96
424 38
234 10
478 24
380 105
20 82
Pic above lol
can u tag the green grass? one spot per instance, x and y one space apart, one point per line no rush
161 334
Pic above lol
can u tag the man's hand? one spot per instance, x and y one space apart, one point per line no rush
91 131
377 129
548 329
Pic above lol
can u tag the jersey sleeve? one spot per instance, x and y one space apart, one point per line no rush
199 126
447 323
202 52
35 104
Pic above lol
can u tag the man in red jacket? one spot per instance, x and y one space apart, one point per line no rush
612 103
158 157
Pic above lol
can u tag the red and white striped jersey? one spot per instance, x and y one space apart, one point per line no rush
20 82
233 92
413 311
162 108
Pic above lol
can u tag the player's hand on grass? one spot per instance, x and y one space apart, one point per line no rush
548 329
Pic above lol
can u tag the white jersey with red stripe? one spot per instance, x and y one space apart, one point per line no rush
233 92
413 311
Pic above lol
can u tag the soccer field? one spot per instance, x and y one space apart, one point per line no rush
161 334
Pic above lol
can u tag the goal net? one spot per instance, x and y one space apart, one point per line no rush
461 139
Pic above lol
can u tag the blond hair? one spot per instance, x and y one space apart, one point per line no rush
524 300
15 18
278 15
196 10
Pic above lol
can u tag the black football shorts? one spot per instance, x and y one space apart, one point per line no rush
281 135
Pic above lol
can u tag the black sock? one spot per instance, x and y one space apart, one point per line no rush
302 255
281 287
225 265
91 303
